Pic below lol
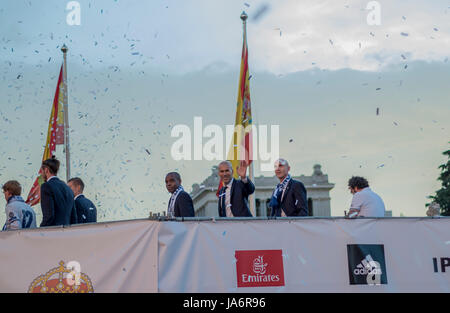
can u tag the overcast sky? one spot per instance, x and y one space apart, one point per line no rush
137 68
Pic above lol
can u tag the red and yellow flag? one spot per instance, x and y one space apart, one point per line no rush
241 143
55 136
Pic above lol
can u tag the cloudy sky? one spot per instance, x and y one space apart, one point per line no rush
137 68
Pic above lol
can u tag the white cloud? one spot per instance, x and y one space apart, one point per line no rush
328 35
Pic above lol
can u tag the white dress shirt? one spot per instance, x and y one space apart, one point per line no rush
228 199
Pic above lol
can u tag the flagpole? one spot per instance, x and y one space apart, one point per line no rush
64 49
251 175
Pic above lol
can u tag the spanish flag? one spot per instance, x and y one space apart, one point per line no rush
55 136
241 143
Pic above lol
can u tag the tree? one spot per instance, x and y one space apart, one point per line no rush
442 196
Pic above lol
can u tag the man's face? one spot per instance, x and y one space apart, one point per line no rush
281 170
225 173
353 190
172 183
75 189
45 173
7 194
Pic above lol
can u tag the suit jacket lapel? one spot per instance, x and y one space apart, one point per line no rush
222 199
232 189
286 191
231 195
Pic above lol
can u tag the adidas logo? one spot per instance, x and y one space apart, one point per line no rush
362 267
368 267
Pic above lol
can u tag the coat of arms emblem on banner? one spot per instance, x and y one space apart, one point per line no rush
56 281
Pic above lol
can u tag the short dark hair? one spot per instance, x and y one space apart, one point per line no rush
78 182
358 182
13 186
175 174
52 164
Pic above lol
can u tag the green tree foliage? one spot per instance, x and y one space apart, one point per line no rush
442 196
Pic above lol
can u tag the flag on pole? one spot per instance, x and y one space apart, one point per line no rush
55 136
241 144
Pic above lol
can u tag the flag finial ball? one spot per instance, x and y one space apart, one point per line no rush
244 16
64 48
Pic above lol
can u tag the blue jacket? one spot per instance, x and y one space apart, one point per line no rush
58 206
19 214
86 210
238 198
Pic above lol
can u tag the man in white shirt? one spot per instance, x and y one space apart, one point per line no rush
365 202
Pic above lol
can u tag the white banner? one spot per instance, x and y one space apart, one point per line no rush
297 255
110 257
309 255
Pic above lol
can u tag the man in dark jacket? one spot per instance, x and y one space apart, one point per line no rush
57 204
180 203
86 210
289 197
233 196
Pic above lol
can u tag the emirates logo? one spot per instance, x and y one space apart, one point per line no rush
259 267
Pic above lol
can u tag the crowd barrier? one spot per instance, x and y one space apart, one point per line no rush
249 255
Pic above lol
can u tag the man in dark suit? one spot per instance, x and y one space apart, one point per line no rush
233 196
289 197
180 203
57 204
86 210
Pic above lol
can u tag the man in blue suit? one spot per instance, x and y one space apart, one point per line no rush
180 203
57 204
233 196
86 210
289 197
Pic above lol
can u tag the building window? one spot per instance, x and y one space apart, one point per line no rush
268 210
310 207
258 207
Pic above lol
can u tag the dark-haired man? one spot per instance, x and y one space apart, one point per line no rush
57 203
86 210
180 203
365 202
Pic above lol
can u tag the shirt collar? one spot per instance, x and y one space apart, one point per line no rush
14 198
230 183
51 178
78 196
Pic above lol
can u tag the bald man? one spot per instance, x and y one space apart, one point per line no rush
289 197
233 197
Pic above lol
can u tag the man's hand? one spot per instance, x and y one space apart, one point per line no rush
242 169
353 213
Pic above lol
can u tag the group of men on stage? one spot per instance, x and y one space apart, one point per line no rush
65 204
288 199
61 203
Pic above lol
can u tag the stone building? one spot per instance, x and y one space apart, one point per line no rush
317 186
